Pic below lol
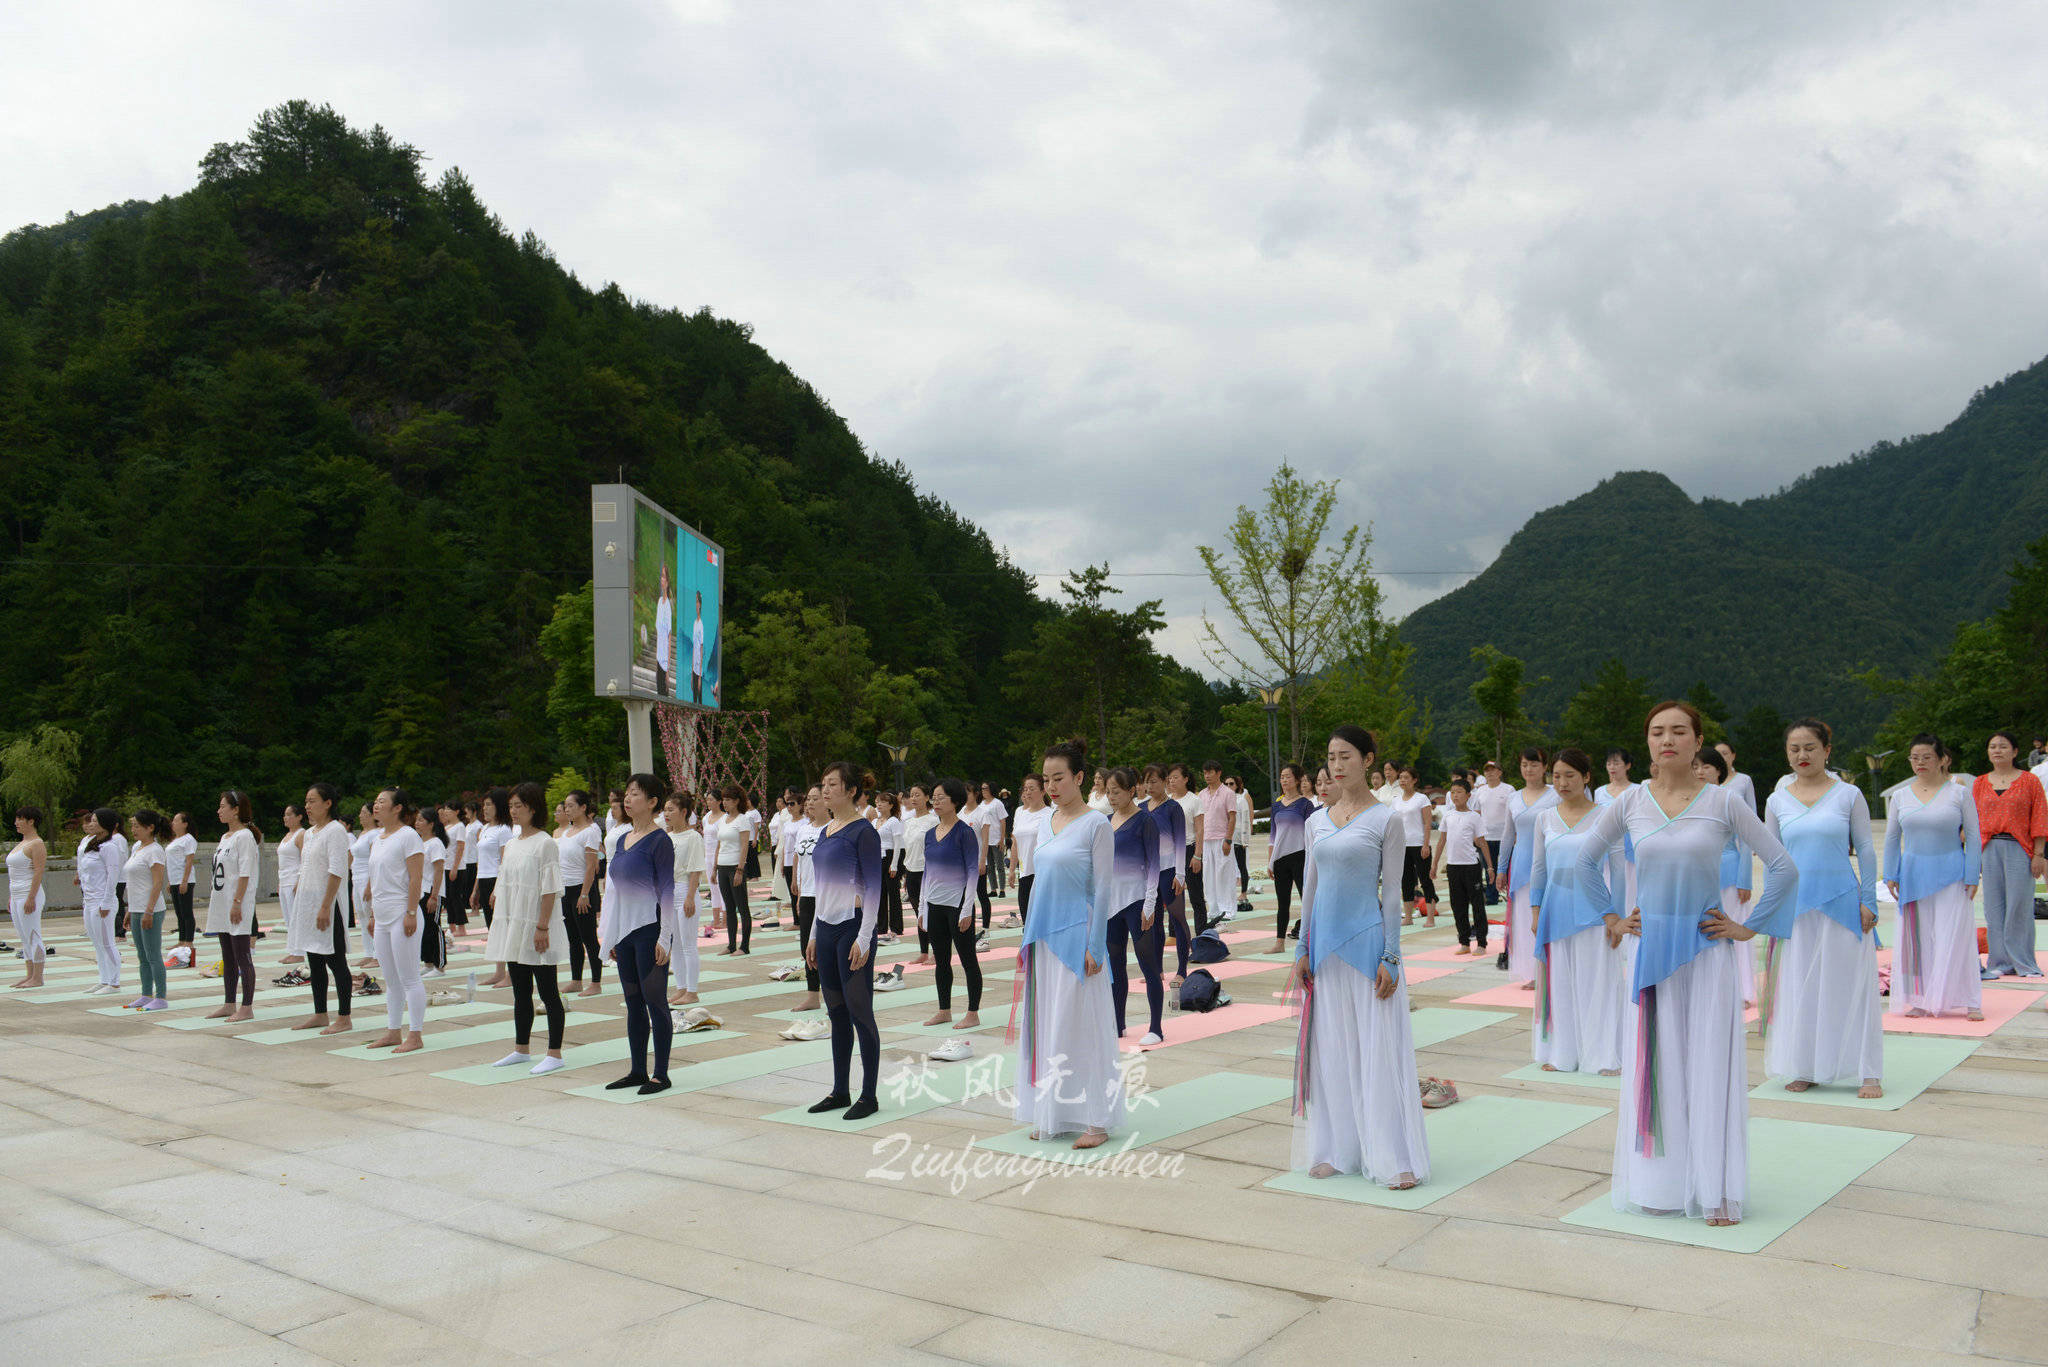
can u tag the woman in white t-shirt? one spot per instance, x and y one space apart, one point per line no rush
231 912
1415 811
146 907
495 832
919 820
734 836
181 865
579 844
324 880
1026 830
290 850
684 961
434 847
889 825
359 880
529 932
392 908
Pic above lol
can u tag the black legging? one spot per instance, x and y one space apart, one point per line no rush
850 1002
806 912
892 902
526 978
1468 901
1024 897
237 964
739 922
1176 905
913 890
946 937
433 949
981 892
1244 876
1287 882
334 962
1128 927
484 888
459 884
1193 897
645 985
582 928
1415 879
181 904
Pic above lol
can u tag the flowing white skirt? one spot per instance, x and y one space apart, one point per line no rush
1364 1111
1079 1085
1701 1163
1945 936
1521 940
1735 909
1825 1024
1586 988
299 914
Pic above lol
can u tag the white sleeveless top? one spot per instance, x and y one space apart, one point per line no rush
20 873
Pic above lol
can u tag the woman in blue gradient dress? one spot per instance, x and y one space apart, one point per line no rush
846 869
1068 1076
1933 861
1579 964
636 928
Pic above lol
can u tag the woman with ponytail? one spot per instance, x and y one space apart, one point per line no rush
96 879
1064 1023
231 914
846 875
1357 1103
1579 964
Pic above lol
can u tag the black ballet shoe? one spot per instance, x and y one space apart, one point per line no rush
862 1109
653 1085
834 1102
629 1080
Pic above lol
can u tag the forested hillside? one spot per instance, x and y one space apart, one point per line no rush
296 467
1778 601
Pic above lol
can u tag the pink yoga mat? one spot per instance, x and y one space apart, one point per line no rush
1238 968
1999 1009
1884 957
1193 1025
1448 954
1513 994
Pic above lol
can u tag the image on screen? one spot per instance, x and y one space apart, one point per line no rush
654 605
699 641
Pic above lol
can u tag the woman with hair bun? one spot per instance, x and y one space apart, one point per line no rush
1579 960
638 927
1518 857
1932 865
145 871
96 881
1681 1145
323 879
1357 1103
392 909
529 935
684 961
1821 1015
1135 924
846 877
27 862
1065 1026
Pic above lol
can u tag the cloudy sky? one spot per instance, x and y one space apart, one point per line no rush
1091 271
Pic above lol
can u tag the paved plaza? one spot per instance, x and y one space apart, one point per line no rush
172 1189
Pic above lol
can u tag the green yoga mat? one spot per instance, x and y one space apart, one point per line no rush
751 992
989 1021
574 1056
1912 1064
1159 1115
716 1072
910 1088
372 1021
1467 1141
1533 1072
1795 1168
1435 1024
436 1040
297 1006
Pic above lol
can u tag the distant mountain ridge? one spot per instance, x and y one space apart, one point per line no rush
1775 600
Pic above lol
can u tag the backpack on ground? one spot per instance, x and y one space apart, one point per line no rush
1199 991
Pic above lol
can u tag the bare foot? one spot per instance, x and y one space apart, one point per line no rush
413 1043
1977 1015
1550 1067
675 998
1279 947
293 959
1529 987
1914 1013
1610 1072
341 1026
220 1013
688 999
242 1013
312 1022
1034 1136
1402 1183
811 1002
969 1021
924 958
942 1018
385 1040
1719 1221
1429 922
1322 1170
590 991
1797 1085
1091 1139
1871 1090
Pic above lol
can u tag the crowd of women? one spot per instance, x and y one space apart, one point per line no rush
1629 910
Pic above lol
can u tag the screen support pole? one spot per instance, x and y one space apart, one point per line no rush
640 735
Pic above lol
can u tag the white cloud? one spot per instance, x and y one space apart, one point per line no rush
1091 271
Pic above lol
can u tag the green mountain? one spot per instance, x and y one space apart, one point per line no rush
1775 600
294 469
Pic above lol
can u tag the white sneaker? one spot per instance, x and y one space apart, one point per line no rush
783 974
103 989
890 979
808 1030
953 1050
546 1065
981 945
1151 1038
514 1057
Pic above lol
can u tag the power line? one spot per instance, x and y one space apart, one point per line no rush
312 567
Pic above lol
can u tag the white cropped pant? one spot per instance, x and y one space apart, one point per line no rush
398 954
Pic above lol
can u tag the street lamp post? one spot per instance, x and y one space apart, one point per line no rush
1271 698
897 754
1875 761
